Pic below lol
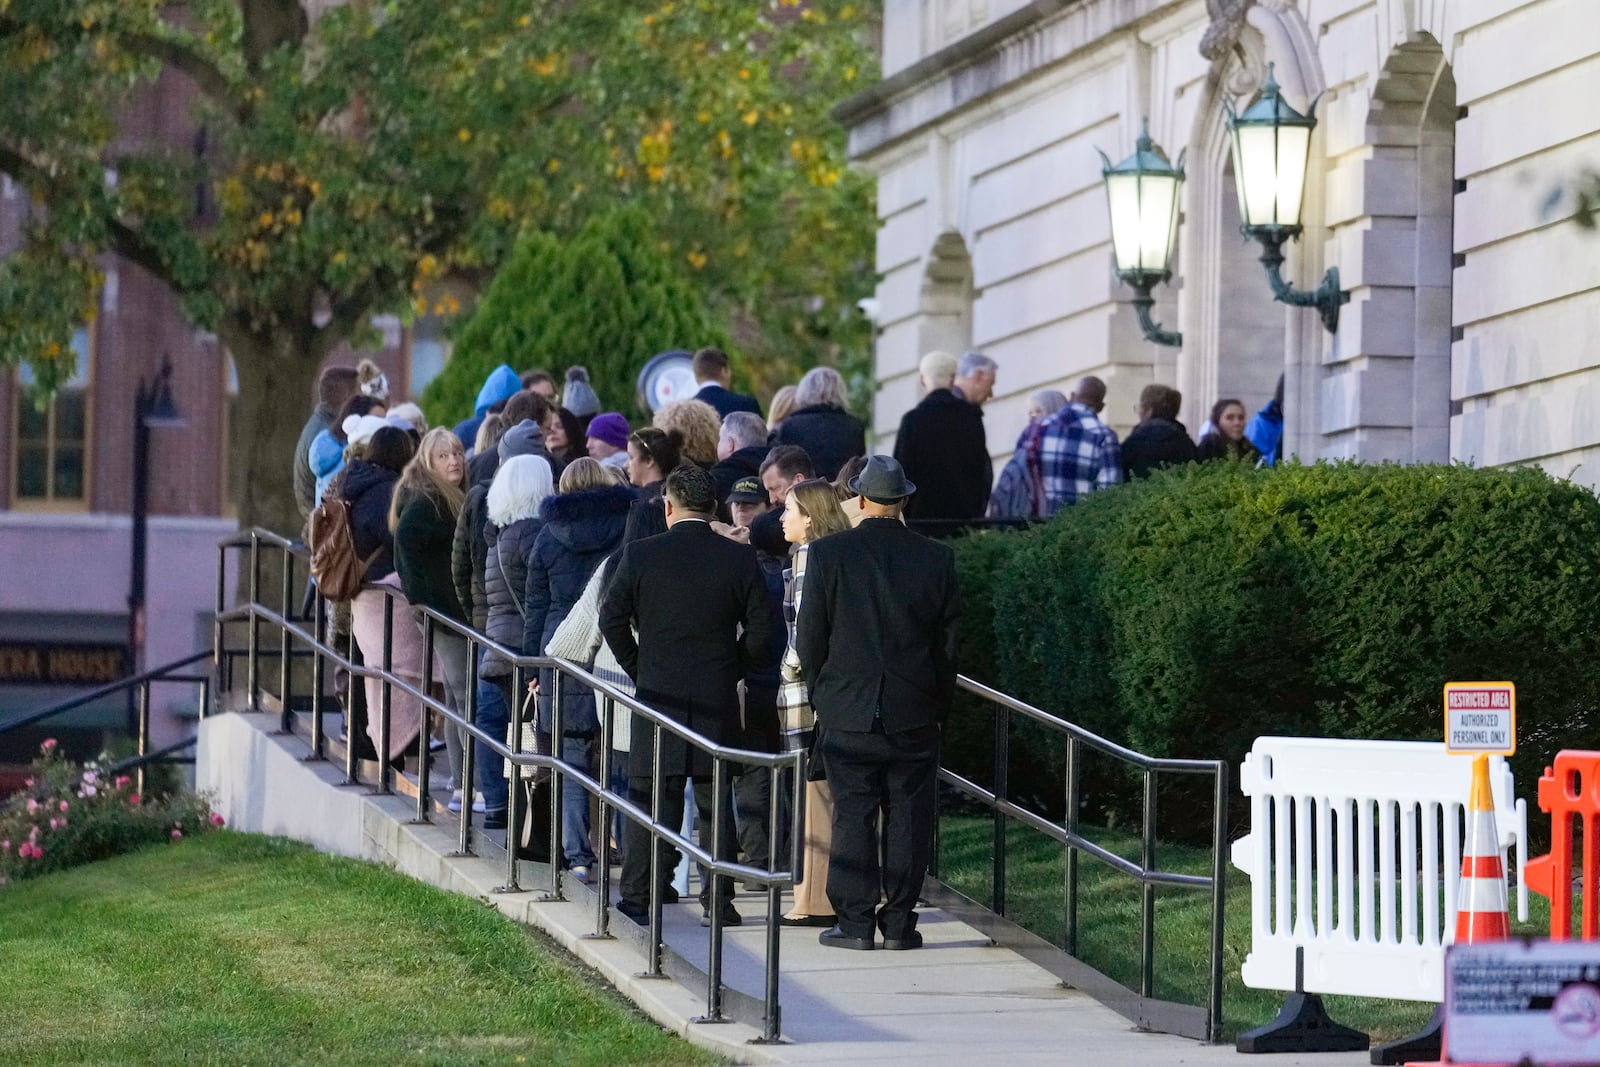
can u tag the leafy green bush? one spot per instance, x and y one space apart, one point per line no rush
67 815
608 299
1190 613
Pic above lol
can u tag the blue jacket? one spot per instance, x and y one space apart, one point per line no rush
580 530
326 459
501 384
1266 432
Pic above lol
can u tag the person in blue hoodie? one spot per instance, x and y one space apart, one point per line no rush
326 455
1266 429
501 385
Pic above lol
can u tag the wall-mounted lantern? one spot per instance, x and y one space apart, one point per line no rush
1271 146
1142 193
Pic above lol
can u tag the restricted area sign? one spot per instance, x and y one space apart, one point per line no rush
1523 1001
1480 717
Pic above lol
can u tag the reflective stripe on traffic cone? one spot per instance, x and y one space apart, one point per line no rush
1481 913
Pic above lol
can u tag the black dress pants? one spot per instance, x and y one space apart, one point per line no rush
895 775
635 878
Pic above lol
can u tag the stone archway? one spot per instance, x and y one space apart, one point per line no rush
945 303
1387 396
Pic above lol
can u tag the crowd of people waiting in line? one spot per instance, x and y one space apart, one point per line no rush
672 560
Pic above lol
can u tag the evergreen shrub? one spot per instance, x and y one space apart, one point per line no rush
606 298
1190 613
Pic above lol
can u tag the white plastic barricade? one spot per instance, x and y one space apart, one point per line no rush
1354 852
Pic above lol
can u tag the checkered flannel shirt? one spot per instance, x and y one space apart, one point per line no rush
1072 455
794 697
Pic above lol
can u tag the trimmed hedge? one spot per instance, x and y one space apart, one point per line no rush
1187 614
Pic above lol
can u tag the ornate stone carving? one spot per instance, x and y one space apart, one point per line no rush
1227 24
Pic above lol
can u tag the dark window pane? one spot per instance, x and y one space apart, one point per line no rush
69 416
32 424
69 473
32 472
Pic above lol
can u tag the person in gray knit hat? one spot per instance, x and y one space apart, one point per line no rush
579 396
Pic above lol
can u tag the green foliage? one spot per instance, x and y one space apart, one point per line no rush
1188 614
607 299
70 815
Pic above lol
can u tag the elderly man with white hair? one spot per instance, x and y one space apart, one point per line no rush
943 448
975 378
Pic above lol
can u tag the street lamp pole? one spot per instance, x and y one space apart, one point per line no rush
153 409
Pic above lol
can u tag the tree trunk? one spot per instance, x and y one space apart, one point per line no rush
277 376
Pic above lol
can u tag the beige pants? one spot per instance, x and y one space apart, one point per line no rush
405 651
811 892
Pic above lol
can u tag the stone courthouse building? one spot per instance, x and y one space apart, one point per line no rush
1447 131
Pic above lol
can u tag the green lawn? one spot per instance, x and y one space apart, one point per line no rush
238 949
1108 921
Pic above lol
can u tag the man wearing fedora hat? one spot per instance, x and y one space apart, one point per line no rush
877 639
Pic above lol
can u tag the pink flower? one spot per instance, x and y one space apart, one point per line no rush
5 846
33 806
90 778
49 744
55 824
133 801
176 833
65 805
33 833
217 819
30 851
121 782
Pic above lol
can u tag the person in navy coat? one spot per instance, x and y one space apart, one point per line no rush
713 375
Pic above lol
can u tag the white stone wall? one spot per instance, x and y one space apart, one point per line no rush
1445 127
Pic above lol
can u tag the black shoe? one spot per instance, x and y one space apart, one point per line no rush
912 939
639 913
669 895
494 820
730 917
837 938
823 921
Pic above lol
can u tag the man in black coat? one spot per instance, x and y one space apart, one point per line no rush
712 376
877 638
1159 440
741 447
688 591
943 449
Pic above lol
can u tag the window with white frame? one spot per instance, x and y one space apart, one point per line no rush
50 460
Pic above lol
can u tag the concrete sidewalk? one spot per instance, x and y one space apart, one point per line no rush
959 1000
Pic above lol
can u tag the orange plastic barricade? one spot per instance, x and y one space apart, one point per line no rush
1569 789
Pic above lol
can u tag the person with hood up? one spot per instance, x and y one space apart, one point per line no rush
519 489
1266 428
468 551
583 524
501 385
1159 440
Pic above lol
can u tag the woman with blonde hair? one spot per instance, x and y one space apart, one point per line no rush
697 424
781 408
422 516
812 512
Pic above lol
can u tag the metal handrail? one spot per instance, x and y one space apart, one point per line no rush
1143 1008
142 683
293 632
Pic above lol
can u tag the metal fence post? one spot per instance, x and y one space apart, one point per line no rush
285 647
557 780
144 734
1219 900
719 783
1002 756
385 700
253 666
1147 923
319 632
424 764
1074 790
514 800
469 767
602 919
352 768
653 952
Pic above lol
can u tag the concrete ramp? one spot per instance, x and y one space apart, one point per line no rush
959 1000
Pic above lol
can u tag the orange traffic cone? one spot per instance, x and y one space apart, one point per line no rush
1481 909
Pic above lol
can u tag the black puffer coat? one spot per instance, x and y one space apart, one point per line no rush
580 530
467 556
505 571
368 488
830 436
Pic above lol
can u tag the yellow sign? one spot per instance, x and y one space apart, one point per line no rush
1480 717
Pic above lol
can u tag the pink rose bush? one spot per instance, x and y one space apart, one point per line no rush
68 814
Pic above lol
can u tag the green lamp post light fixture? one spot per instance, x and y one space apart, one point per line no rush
1271 146
1142 193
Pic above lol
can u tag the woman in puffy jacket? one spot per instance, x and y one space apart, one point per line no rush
583 524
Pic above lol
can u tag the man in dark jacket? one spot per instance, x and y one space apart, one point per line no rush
337 385
688 591
942 447
740 449
877 636
712 376
1159 440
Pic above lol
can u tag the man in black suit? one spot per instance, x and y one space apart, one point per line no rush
877 637
943 448
688 591
713 375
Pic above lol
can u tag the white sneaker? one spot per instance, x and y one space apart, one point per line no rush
455 801
477 802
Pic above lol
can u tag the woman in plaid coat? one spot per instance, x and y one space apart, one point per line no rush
812 512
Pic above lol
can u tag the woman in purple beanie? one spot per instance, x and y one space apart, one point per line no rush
608 439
